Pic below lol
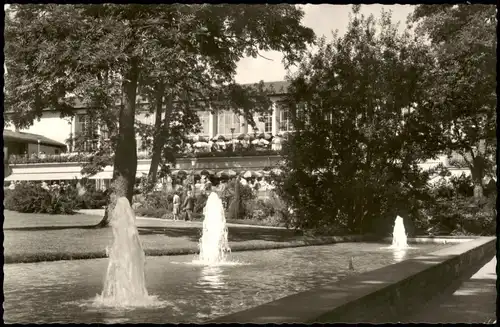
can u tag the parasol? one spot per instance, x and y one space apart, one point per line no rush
206 172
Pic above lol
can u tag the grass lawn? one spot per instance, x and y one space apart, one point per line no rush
38 237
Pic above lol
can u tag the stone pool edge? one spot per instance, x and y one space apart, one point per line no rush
379 296
325 240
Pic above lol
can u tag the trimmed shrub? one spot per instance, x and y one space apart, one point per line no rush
30 198
463 216
452 210
153 212
92 199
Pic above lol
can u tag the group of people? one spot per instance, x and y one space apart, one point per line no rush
187 207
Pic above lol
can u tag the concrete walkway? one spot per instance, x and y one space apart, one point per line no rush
148 221
473 302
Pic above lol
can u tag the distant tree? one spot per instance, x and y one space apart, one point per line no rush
99 53
461 89
357 111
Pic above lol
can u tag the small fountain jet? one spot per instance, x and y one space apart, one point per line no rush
351 265
125 283
213 245
399 239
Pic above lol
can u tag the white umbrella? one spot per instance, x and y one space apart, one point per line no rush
277 171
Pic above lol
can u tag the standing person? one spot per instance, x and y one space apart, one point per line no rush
189 206
177 203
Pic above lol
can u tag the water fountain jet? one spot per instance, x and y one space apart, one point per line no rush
399 239
213 242
124 284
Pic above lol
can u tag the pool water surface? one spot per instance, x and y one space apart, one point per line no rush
63 291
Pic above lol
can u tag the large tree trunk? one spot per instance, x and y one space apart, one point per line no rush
234 207
478 169
159 138
125 163
477 180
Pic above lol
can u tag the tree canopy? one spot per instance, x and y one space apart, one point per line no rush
103 54
358 110
461 89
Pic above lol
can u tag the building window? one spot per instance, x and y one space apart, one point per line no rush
204 117
227 120
264 123
86 133
285 121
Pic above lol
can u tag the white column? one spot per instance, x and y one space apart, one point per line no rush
274 128
212 127
243 126
72 132
99 133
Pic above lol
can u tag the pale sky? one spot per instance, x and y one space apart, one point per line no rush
323 19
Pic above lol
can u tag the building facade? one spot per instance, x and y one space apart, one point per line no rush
225 124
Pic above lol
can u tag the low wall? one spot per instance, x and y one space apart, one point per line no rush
382 295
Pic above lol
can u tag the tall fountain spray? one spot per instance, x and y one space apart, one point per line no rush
124 283
399 240
213 242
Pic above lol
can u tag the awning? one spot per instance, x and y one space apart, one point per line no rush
43 177
30 138
109 175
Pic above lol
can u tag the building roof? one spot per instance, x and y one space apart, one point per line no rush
276 88
279 87
30 138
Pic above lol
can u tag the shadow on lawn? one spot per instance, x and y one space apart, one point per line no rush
235 234
45 228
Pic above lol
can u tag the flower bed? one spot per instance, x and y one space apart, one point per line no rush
29 197
253 211
84 157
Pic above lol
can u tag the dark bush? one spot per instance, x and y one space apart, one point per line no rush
452 210
153 212
159 200
463 216
30 198
200 202
462 185
92 199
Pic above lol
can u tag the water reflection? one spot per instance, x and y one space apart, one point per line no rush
189 292
399 255
211 279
